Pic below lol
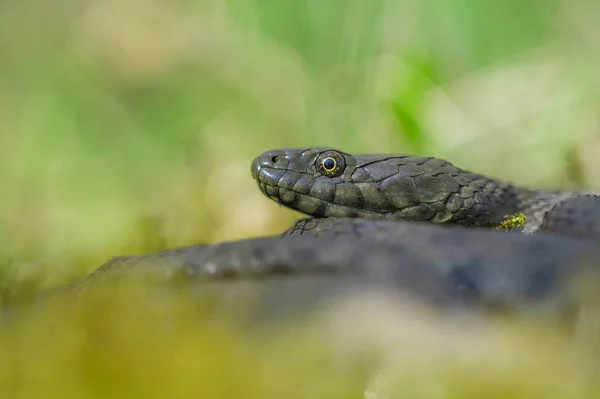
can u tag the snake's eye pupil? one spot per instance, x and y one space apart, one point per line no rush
274 158
329 164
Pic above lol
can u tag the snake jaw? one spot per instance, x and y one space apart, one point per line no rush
265 188
268 190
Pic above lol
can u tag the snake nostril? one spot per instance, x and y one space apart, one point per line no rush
274 158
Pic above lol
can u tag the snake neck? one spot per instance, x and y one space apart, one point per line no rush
504 199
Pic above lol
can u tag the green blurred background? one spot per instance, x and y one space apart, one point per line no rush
129 126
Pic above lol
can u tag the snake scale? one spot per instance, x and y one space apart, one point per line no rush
418 225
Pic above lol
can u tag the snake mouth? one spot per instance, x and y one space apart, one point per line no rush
293 199
268 178
308 204
269 190
314 206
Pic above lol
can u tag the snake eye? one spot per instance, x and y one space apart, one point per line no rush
331 163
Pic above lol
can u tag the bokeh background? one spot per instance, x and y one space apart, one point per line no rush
129 126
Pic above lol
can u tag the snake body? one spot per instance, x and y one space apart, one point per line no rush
418 224
396 187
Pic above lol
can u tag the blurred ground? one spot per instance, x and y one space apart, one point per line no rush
129 125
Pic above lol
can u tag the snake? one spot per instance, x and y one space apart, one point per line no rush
323 182
410 224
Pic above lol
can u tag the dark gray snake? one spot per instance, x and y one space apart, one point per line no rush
329 183
412 224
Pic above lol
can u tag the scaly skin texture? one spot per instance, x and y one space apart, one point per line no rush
450 266
576 217
394 187
446 264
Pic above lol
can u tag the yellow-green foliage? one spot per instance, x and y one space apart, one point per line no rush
131 342
511 222
128 126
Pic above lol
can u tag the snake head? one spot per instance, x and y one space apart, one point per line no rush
327 182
